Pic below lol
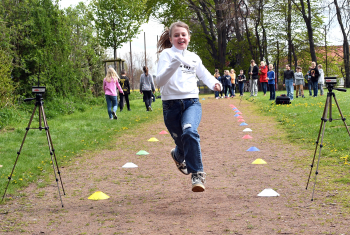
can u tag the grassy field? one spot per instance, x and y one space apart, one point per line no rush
72 135
302 120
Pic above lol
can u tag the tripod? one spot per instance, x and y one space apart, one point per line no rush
39 103
327 107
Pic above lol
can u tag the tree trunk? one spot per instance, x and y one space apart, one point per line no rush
251 49
345 46
289 31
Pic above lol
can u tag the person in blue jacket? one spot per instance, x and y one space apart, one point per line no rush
271 82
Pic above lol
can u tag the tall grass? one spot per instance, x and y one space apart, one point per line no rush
72 135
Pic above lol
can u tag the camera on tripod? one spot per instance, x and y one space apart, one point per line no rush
330 81
38 89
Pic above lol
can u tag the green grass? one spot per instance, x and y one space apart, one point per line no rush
301 120
72 136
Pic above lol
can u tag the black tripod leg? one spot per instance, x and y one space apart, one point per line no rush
324 116
52 153
341 114
19 152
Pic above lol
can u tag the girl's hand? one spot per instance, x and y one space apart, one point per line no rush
217 87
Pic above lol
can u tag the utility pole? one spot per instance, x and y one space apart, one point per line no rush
144 33
131 71
325 46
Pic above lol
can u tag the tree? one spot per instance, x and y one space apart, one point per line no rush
345 33
117 21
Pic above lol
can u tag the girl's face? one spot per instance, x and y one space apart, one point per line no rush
270 67
180 38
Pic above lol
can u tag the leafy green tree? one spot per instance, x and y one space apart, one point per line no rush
117 21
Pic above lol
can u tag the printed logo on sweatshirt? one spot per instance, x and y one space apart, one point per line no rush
187 69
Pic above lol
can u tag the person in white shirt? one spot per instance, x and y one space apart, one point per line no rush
320 79
177 73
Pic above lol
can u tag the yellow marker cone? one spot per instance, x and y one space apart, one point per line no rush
98 196
259 161
153 139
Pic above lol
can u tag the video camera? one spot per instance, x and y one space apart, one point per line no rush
330 80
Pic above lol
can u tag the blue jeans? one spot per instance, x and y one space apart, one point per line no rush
216 94
112 102
309 83
289 88
272 91
241 86
315 86
182 117
264 87
233 89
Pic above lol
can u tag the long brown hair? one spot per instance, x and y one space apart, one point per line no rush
164 41
145 69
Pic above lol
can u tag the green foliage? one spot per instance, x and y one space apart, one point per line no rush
117 21
6 85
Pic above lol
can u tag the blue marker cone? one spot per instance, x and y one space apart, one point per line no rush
236 115
243 124
253 149
237 111
203 99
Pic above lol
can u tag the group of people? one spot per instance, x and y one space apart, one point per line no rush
266 76
112 82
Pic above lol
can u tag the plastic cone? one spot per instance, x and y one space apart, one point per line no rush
259 161
239 116
236 115
129 165
247 130
203 99
253 149
163 133
153 139
239 113
142 152
269 192
247 137
241 120
98 196
235 108
243 124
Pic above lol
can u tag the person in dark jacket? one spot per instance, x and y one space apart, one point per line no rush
125 85
289 81
314 77
253 78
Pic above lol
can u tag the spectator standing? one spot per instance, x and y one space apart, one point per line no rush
309 82
320 79
299 82
253 72
233 82
263 76
289 81
228 85
125 85
271 82
240 79
314 77
146 88
218 77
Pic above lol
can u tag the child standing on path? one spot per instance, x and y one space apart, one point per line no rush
110 82
263 76
299 82
309 82
176 75
147 87
271 78
228 85
218 77
125 84
241 79
233 81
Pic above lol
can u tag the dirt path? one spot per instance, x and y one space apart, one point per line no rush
156 199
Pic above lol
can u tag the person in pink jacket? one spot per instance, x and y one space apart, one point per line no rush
263 76
110 82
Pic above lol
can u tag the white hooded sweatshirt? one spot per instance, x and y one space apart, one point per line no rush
176 74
